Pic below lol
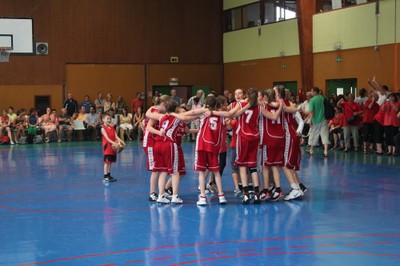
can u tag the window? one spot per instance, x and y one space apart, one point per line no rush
326 5
264 11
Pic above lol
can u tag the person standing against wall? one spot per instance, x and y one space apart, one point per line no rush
71 105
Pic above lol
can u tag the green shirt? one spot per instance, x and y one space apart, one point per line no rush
317 107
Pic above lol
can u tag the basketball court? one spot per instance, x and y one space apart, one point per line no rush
55 210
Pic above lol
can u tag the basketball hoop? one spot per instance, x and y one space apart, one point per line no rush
5 54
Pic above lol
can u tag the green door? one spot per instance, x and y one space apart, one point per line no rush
341 86
290 85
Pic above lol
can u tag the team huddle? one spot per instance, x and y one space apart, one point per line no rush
266 130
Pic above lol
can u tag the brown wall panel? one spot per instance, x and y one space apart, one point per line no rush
357 63
20 96
118 79
197 75
113 32
261 73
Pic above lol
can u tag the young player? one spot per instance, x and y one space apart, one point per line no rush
273 141
208 144
149 140
166 158
110 142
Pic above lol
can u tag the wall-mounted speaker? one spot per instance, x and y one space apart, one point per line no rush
42 48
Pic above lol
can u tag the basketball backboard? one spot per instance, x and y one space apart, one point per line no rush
17 33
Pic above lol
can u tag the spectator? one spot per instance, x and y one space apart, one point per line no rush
71 105
81 116
336 128
351 121
397 139
391 123
12 115
199 95
362 98
86 103
108 104
20 124
137 102
371 108
304 110
93 124
319 126
64 124
99 102
175 97
125 124
195 124
48 124
5 126
120 104
382 92
231 98
137 124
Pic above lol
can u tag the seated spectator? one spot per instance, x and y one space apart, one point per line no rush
13 117
21 124
137 102
99 102
93 124
48 124
114 118
336 128
371 108
137 123
64 125
5 126
125 124
33 123
81 116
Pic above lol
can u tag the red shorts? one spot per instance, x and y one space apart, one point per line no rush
274 156
165 157
206 160
149 158
181 163
246 152
292 154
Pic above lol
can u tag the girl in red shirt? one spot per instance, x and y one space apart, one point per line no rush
371 108
391 122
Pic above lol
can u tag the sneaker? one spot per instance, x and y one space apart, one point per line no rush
265 195
245 199
276 196
207 191
169 191
238 194
222 199
112 179
256 199
176 199
212 188
168 196
202 200
294 194
12 142
163 200
153 197
303 188
109 179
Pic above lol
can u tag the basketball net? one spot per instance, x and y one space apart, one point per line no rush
5 54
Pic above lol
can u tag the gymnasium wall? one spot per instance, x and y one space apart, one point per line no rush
258 64
21 96
261 73
228 4
113 32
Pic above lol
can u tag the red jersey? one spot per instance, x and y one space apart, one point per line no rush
224 145
290 120
171 125
349 108
234 125
391 114
210 138
369 114
272 131
249 123
107 147
181 132
337 120
149 138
